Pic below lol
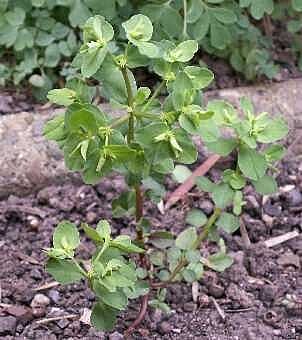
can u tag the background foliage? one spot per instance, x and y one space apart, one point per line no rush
40 37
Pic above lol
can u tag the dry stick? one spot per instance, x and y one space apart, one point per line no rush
186 186
244 235
57 318
47 286
140 316
219 309
274 241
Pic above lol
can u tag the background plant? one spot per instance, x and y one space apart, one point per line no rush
40 37
143 145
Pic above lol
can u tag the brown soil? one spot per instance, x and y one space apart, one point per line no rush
260 295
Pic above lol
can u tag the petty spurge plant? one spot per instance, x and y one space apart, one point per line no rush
144 144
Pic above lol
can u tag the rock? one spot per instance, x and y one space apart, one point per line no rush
216 291
239 296
157 315
252 202
8 325
289 259
294 197
189 306
40 300
54 295
268 220
206 206
272 209
22 313
116 336
35 274
91 217
164 328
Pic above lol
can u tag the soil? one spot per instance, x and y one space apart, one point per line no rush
260 295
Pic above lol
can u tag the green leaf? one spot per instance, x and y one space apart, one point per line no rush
54 128
218 262
52 55
92 233
201 27
260 7
228 222
138 29
181 173
161 239
148 49
274 153
186 239
182 91
238 203
63 271
103 317
266 185
36 80
222 146
274 131
15 17
92 61
183 52
157 258
222 195
117 300
297 5
220 35
79 13
251 163
201 77
44 39
195 9
66 236
123 242
196 218
63 96
205 184
224 15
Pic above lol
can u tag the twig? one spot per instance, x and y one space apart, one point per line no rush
239 310
185 187
47 286
244 235
140 316
28 259
274 241
57 318
219 309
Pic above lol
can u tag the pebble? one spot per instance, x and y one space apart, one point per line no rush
268 220
289 259
116 336
273 209
189 307
164 328
40 300
252 202
8 325
36 274
206 206
54 295
295 197
216 290
91 217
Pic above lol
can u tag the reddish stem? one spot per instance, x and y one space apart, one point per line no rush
140 317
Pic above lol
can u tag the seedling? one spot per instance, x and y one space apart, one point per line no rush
144 144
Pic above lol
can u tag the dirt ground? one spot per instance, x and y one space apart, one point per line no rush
260 295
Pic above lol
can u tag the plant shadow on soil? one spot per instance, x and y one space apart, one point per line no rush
260 294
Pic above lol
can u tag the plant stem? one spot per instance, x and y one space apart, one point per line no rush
130 135
138 192
183 262
79 267
119 121
155 94
185 19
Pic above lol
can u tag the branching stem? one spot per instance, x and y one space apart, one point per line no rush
155 94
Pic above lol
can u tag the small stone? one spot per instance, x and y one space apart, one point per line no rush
206 206
38 312
272 209
294 197
8 325
164 328
22 313
216 290
268 220
252 202
54 295
36 274
239 296
157 315
91 217
40 300
33 222
189 307
116 336
289 259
